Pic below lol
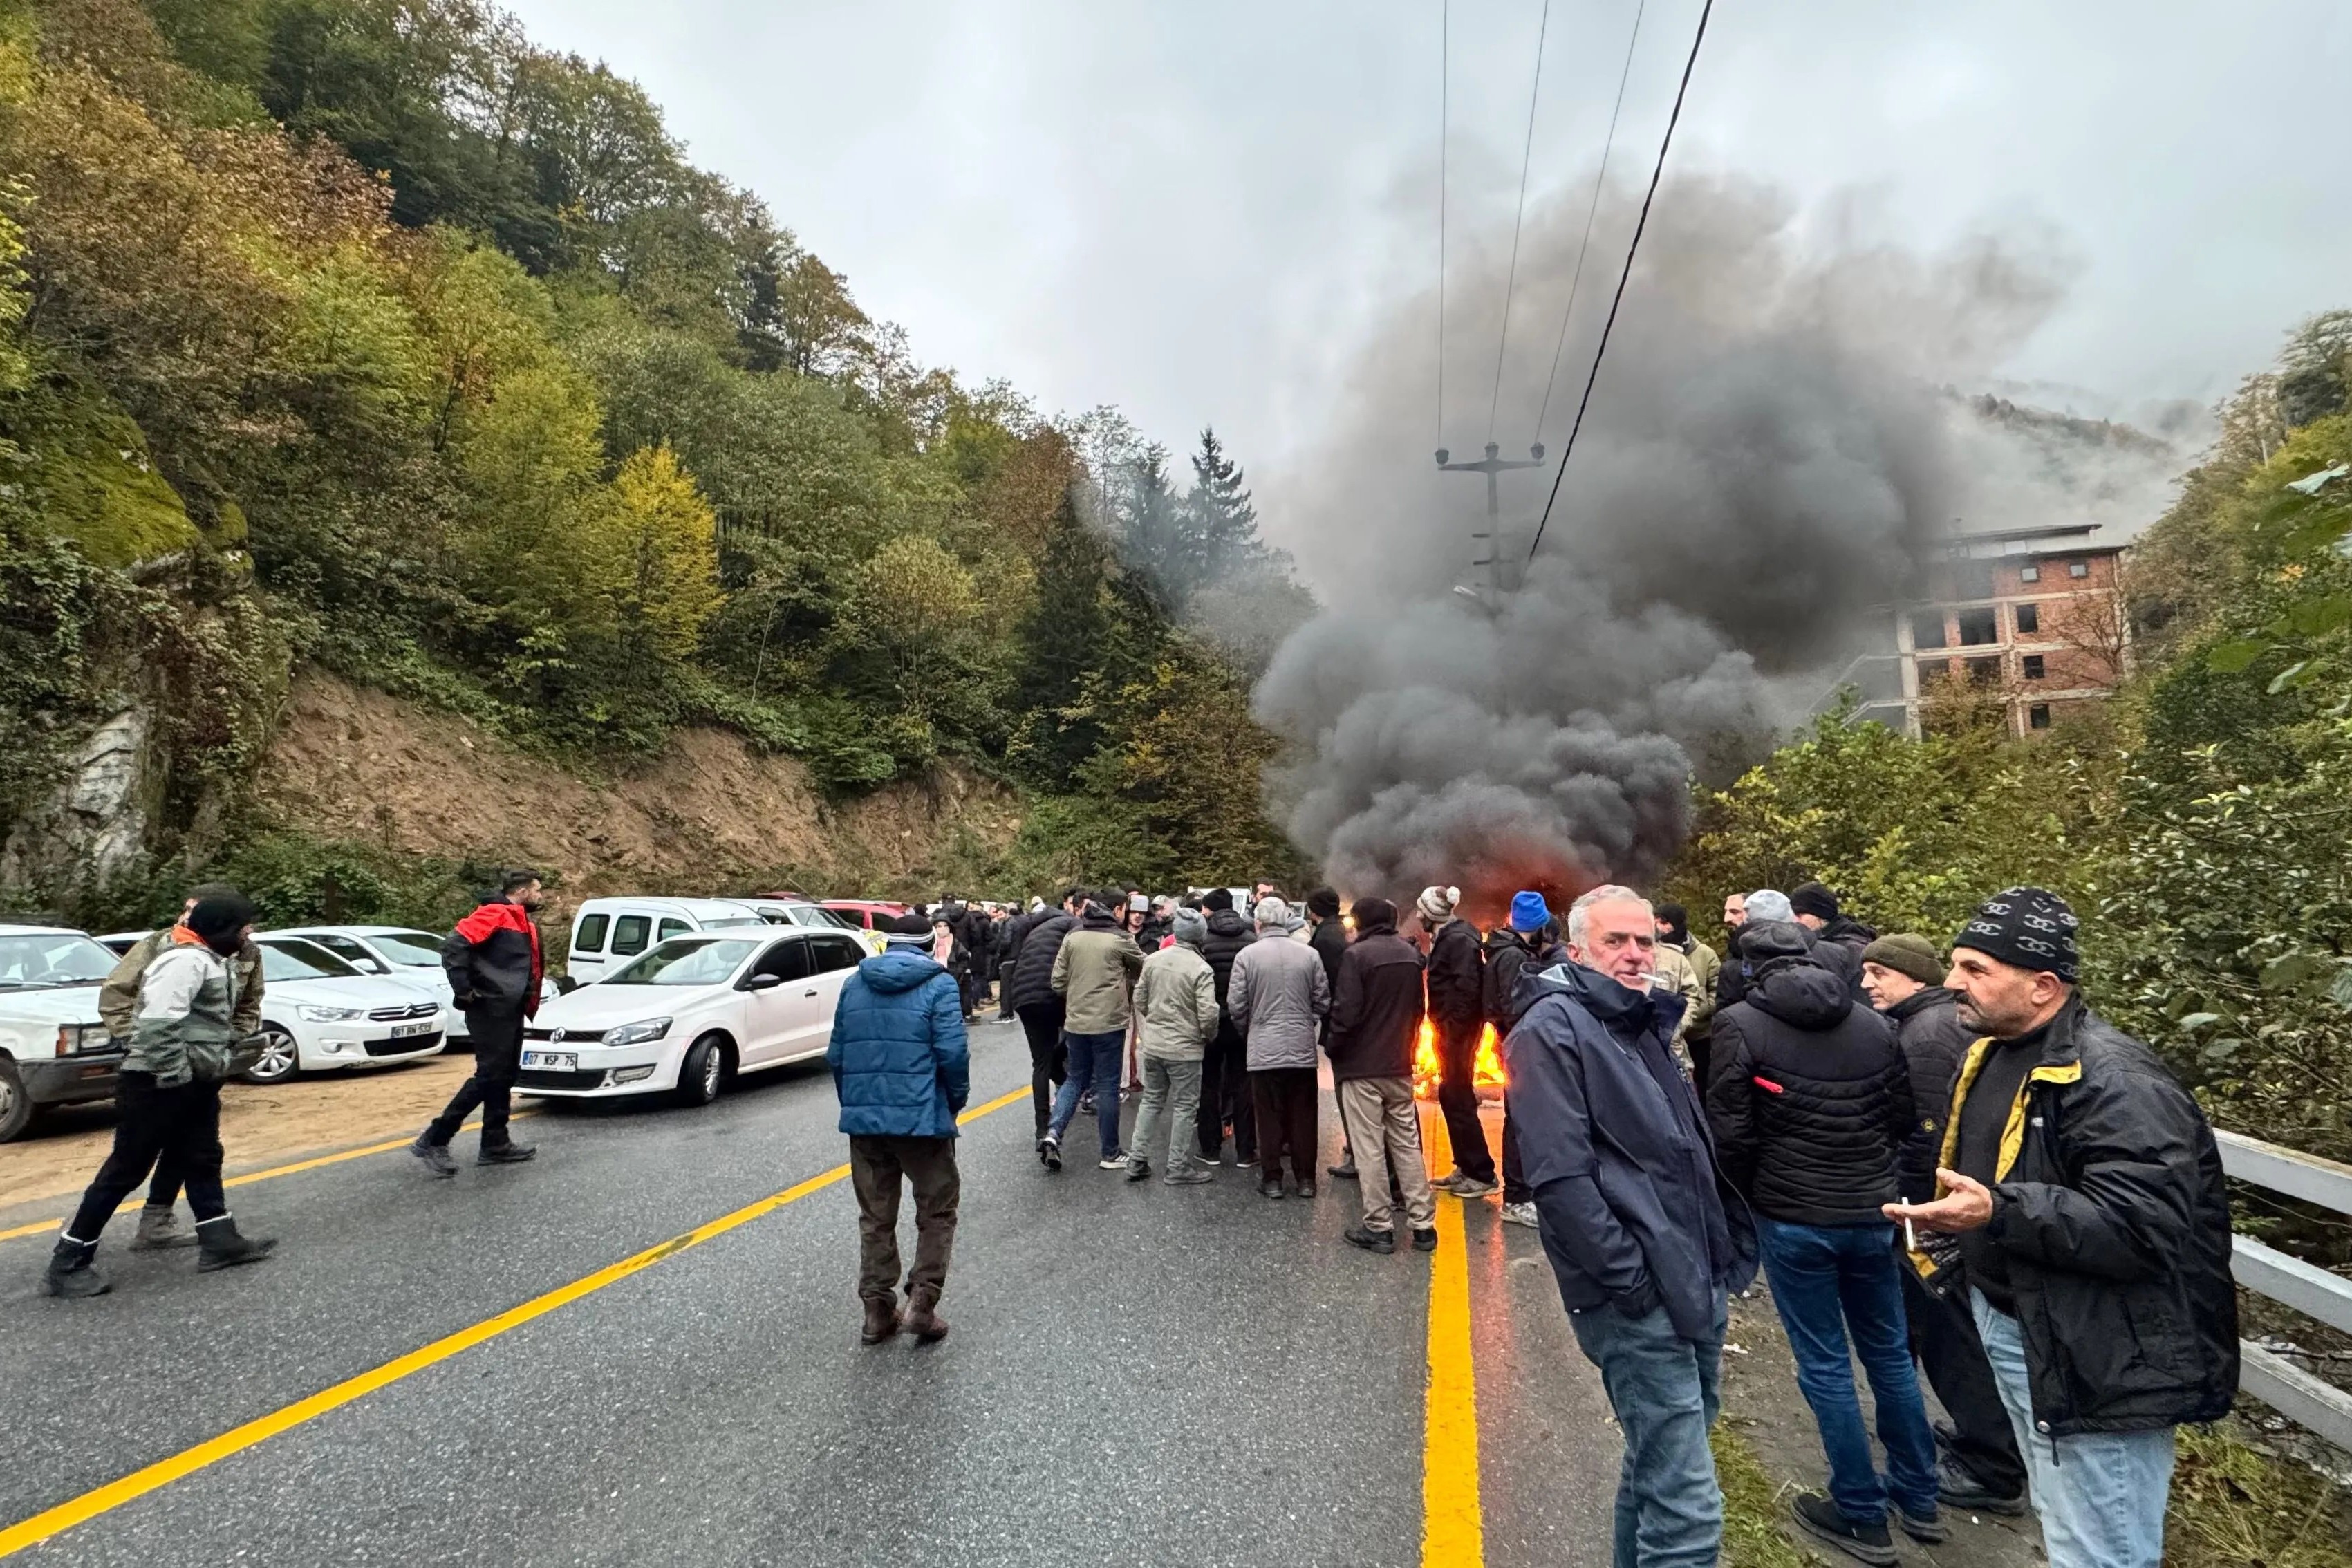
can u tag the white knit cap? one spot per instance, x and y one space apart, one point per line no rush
1438 903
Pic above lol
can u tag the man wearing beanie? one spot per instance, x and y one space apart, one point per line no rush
1376 1015
1176 1018
1279 998
1528 936
1225 1067
2086 1192
118 1002
1981 1472
1457 1009
183 1033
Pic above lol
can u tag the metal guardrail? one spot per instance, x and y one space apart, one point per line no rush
2313 1291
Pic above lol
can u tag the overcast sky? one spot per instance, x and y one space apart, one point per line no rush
1197 212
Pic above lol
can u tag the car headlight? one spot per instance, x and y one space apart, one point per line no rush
74 1039
310 1015
638 1033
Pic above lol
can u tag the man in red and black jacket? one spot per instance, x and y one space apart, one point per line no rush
493 966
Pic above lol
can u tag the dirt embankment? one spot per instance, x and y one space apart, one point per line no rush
707 816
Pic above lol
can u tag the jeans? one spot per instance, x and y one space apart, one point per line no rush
1457 1096
496 1039
1943 1337
1226 1097
1095 1061
1171 1093
876 1165
1048 1059
1666 1391
181 1125
2100 1495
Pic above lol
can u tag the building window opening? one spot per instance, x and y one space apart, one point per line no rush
2029 573
1979 627
2038 715
1927 630
2033 667
1984 672
2078 569
2029 618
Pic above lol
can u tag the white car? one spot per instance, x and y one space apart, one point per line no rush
691 1013
809 916
608 932
53 1049
398 950
318 1012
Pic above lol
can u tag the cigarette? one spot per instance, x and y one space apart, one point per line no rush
1910 1237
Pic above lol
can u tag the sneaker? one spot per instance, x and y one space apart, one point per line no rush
1248 1164
1112 1163
1305 1189
435 1155
1216 1158
1424 1238
508 1153
1049 1152
1960 1489
1191 1177
1138 1170
1086 1104
1462 1186
1269 1189
1446 1183
1818 1518
1346 1173
1371 1240
1521 1214
1925 1528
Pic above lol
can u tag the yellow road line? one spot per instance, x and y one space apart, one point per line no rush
1453 1523
163 1472
43 1226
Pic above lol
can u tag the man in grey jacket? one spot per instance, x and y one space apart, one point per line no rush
1176 1018
1277 997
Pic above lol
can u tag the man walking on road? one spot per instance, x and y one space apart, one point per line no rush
167 1096
1037 942
1457 1008
1279 998
1176 1016
901 1069
1528 937
493 966
1982 1472
1646 1239
1225 1082
118 1000
1375 1020
1810 1102
1094 974
2086 1191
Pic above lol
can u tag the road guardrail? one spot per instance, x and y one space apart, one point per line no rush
2267 1375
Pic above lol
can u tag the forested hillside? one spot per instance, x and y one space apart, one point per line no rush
364 334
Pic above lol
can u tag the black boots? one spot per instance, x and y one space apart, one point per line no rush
881 1320
219 1246
435 1155
506 1152
70 1275
159 1227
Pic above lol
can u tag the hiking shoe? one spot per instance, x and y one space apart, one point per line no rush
1424 1238
1371 1240
1521 1214
1818 1518
1137 1169
1927 1527
1191 1177
1112 1163
1049 1152
507 1153
1960 1489
1269 1189
435 1155
159 1227
1346 1173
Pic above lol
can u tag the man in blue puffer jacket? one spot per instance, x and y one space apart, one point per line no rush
902 1069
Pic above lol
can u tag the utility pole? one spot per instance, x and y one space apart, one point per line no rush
1501 575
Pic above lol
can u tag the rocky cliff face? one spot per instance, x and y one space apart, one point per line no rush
94 828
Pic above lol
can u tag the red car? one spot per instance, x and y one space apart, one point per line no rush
869 914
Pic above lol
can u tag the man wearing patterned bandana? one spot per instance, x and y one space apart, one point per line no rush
2086 1193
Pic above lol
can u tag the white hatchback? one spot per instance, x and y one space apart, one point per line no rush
397 951
691 1013
318 1012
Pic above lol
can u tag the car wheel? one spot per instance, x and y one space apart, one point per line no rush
279 1057
704 1072
15 1108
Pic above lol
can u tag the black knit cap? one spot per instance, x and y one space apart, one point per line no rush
221 920
2029 927
1814 899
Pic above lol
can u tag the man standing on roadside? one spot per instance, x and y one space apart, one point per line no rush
1036 943
493 966
902 1070
1457 1009
1176 1016
1225 1069
1528 937
1674 931
1375 1020
118 1000
1279 998
2086 1191
1983 1472
1647 1241
1094 974
167 1096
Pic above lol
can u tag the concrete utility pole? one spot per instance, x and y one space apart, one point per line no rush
1502 575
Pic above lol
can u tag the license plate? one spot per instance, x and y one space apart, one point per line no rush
404 1031
560 1061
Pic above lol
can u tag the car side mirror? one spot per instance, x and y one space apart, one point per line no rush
566 985
761 983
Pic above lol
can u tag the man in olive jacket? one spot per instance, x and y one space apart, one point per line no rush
1094 974
118 998
2086 1192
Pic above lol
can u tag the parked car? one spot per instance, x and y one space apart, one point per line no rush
318 1012
606 934
408 954
53 1049
691 1013
809 915
866 914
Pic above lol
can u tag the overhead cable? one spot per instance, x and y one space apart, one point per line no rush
1527 157
1444 44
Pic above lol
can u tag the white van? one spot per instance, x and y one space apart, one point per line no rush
608 932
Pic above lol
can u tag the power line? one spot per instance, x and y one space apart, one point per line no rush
1638 225
1445 46
1591 213
1511 279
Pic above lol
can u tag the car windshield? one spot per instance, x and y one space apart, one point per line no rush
410 949
51 959
724 923
290 958
686 960
837 918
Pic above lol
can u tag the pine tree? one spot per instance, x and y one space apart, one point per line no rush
1061 643
1224 522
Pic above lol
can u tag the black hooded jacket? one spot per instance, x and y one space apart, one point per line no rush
1934 1042
1457 985
1809 1099
1509 951
1228 934
1033 970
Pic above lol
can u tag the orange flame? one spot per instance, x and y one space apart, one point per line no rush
1486 1070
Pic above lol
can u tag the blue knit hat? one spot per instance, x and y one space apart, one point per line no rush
1528 913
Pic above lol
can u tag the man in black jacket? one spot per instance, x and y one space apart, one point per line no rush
1224 1066
1457 1013
494 966
1376 1013
1983 1472
1035 1001
1808 1100
2086 1191
1529 937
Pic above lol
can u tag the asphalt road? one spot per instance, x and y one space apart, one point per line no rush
1137 1374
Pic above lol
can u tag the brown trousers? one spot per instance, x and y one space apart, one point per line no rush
1284 1099
928 1165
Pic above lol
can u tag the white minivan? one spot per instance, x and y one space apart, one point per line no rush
606 934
